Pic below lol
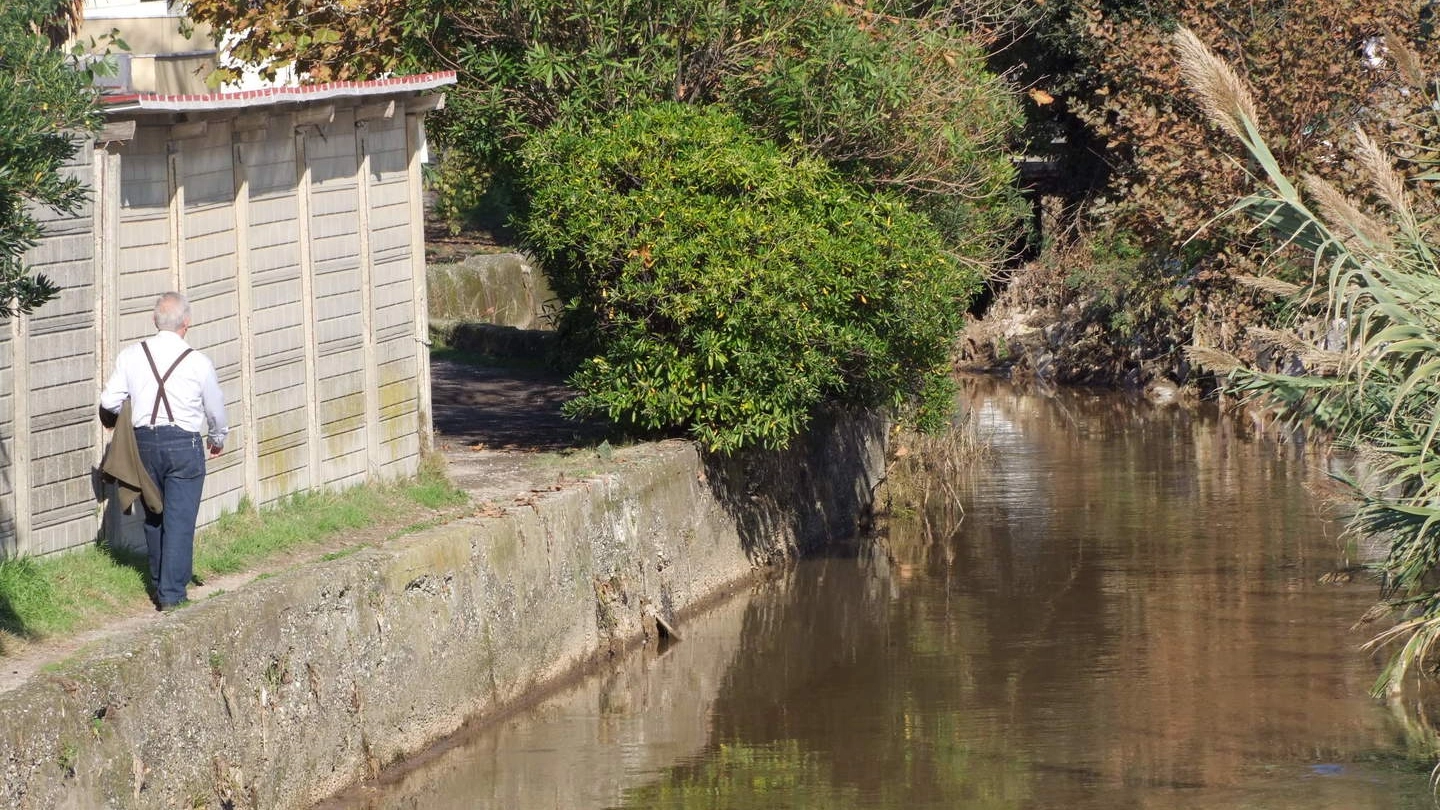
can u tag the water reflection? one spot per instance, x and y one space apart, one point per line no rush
1112 608
583 748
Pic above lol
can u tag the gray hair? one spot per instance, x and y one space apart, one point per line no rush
172 311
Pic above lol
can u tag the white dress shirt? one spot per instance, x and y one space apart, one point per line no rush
193 390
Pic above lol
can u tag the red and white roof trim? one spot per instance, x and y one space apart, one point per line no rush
264 97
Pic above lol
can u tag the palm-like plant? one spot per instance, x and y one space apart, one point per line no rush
1375 276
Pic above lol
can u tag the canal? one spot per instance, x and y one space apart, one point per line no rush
1078 602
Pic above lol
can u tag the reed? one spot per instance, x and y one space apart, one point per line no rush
1375 274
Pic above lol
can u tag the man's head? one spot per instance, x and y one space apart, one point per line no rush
172 313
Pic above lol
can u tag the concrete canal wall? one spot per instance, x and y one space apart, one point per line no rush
279 693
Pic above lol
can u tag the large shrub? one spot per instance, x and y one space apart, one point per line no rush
1320 65
723 285
894 99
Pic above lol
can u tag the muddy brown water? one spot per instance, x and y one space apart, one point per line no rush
1113 607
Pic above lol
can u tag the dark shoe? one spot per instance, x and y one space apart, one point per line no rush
170 607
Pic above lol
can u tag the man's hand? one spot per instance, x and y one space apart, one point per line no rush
214 449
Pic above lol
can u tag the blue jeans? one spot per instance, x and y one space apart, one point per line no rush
175 459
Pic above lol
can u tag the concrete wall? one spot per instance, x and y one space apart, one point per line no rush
161 58
280 693
504 289
48 370
553 753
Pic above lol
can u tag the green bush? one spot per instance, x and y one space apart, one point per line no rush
894 96
717 283
45 102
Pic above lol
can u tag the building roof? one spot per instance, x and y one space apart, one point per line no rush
269 96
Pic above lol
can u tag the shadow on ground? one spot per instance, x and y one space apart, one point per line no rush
494 408
490 420
27 576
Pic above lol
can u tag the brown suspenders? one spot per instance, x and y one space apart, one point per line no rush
160 395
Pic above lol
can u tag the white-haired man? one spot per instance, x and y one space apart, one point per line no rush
178 413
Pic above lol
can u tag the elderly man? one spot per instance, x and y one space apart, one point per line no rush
173 393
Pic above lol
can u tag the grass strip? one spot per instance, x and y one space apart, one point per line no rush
64 594
55 596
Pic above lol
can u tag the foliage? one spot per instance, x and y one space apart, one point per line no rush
1377 279
326 41
240 539
467 195
729 287
1311 60
1106 99
1097 306
892 99
1305 59
55 595
44 102
1126 303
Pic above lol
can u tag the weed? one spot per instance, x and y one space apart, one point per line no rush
341 553
435 494
277 672
40 597
413 528
97 723
67 757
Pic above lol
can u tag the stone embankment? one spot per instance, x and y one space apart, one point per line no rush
281 692
286 689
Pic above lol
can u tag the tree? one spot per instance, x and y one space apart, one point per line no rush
1142 169
44 102
1320 65
771 258
894 99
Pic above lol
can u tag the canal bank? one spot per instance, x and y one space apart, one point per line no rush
1106 605
282 691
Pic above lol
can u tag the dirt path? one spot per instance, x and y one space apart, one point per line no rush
505 442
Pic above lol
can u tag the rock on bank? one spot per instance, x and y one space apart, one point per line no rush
280 693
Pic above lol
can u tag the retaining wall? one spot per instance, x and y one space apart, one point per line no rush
504 289
280 693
